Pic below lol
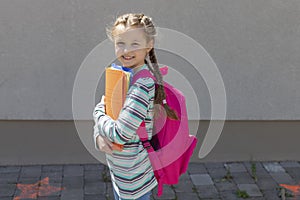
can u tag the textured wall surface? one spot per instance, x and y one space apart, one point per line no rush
255 44
56 142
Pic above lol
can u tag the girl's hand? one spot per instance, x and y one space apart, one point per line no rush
102 100
104 144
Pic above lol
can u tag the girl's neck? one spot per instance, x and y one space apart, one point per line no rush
135 69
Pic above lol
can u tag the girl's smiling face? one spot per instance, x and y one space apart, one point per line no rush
131 46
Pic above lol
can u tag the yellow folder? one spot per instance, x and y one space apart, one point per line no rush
116 86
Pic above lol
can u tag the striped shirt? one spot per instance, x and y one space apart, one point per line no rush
131 172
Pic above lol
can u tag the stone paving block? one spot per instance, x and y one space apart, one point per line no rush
235 167
55 181
48 198
282 178
93 180
214 165
10 169
242 177
109 195
271 194
197 168
225 185
211 199
251 189
95 197
287 164
7 190
28 180
95 188
184 186
74 194
6 198
201 179
186 196
263 175
207 191
73 170
258 165
184 177
260 169
93 176
31 171
168 193
52 175
89 178
109 191
52 195
229 195
294 173
266 183
31 168
274 167
9 177
217 173
93 167
74 182
52 168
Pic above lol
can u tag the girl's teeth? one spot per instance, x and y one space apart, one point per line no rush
127 58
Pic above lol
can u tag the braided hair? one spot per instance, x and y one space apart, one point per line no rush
139 20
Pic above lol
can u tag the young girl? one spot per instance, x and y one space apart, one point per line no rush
130 169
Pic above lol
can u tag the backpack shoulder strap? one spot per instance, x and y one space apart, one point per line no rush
146 73
143 74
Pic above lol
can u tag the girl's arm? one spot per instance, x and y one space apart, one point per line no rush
101 142
131 116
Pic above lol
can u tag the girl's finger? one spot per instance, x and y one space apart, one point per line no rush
109 143
108 150
103 99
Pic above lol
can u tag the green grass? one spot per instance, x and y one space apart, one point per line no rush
242 194
253 171
105 175
228 176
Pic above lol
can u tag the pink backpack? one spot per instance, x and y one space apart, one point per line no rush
171 146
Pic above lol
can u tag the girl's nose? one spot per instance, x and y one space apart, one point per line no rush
127 49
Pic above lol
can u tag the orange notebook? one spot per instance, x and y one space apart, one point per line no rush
117 82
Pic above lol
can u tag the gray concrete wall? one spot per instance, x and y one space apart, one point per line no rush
255 45
57 142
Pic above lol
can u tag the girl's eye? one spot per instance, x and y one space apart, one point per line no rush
120 43
135 44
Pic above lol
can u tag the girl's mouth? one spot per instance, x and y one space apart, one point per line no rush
127 57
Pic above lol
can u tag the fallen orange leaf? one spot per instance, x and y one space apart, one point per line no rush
41 188
294 188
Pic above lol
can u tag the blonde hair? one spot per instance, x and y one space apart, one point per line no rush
139 20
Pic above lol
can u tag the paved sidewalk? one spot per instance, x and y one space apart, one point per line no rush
258 180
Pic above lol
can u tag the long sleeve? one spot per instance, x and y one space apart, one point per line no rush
134 111
96 133
100 112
